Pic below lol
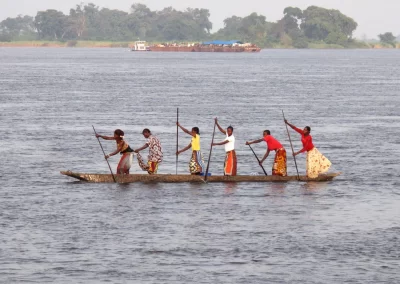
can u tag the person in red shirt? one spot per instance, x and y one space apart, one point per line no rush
316 163
279 167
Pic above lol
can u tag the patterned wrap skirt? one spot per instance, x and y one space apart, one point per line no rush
196 163
125 163
230 166
316 163
279 168
150 167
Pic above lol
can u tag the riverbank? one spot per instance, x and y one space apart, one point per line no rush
71 43
110 44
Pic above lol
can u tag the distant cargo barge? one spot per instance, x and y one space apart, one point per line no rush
211 46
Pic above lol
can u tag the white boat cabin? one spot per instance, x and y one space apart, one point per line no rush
140 46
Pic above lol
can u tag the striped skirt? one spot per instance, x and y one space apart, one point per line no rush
316 163
279 167
196 164
230 166
125 163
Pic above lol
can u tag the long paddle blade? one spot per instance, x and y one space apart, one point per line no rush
209 156
258 160
104 155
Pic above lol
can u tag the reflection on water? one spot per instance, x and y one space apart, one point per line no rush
309 187
230 187
278 186
276 189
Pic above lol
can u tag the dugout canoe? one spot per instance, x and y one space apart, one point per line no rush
171 178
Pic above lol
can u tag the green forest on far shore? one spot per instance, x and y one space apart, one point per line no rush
310 28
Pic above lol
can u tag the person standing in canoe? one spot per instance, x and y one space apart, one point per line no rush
230 165
123 148
316 163
196 164
279 167
155 152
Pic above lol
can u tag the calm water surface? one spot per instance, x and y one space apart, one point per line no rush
56 230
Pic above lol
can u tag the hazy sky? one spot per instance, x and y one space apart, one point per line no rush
373 16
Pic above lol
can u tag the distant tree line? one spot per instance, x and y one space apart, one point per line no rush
89 22
297 28
388 38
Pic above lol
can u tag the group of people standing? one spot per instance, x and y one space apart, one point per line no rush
316 163
196 163
155 152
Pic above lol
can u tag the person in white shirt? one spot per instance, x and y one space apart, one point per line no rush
230 166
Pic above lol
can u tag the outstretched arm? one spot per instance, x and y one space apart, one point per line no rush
184 149
265 156
105 137
141 148
305 146
291 125
219 127
294 127
220 143
185 130
255 141
119 149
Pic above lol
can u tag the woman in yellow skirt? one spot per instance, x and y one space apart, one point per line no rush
316 163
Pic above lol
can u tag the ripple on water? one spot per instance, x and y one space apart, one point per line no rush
55 230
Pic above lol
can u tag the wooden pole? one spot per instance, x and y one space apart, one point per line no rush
177 137
104 155
258 160
291 145
209 156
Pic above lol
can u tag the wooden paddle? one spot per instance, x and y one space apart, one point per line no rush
104 155
259 162
291 145
177 128
209 156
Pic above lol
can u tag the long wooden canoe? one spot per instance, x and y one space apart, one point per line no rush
170 178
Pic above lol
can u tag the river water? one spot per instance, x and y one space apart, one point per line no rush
57 230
